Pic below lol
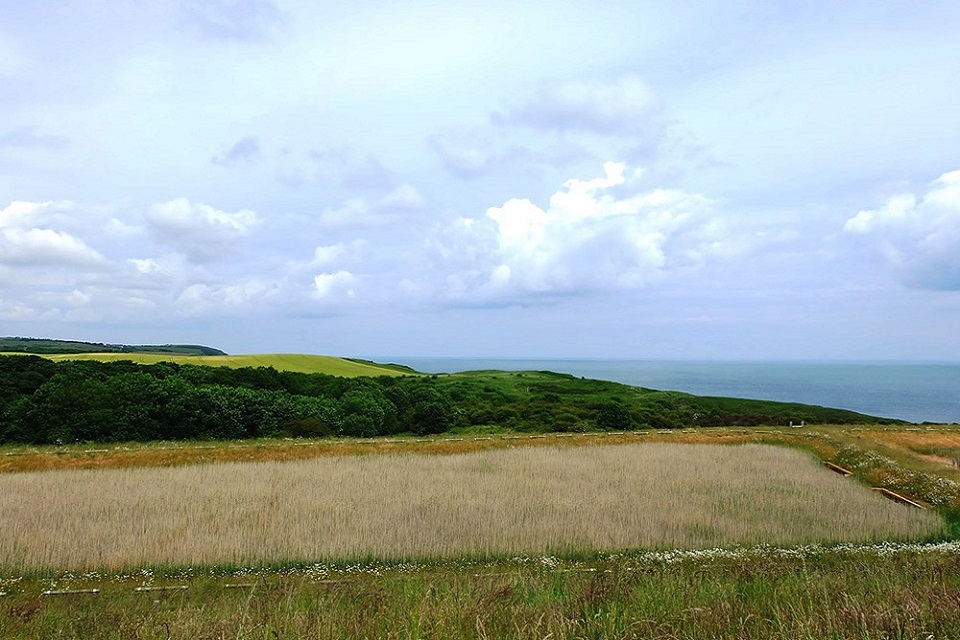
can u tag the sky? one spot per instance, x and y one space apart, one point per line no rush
637 179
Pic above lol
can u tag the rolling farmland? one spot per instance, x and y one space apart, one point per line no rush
300 363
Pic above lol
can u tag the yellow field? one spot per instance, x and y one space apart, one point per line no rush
505 501
302 363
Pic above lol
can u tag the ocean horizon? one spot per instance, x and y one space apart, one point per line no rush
915 392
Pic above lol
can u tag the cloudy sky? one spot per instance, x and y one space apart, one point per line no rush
636 179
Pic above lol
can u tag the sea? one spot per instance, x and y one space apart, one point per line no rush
915 392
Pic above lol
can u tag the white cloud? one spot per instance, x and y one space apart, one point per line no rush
119 228
893 213
250 290
201 232
403 198
78 298
918 234
21 213
201 298
328 286
608 108
193 300
323 256
41 247
353 213
18 212
597 234
146 266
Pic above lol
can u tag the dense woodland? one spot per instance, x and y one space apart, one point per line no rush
46 402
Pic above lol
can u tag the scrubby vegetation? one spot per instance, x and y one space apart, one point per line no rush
46 402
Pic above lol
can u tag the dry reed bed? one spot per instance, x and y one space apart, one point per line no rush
525 500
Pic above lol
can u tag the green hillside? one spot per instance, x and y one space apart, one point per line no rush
300 363
41 346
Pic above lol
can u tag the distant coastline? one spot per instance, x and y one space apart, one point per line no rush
916 392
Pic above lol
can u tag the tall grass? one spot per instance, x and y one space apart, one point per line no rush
527 500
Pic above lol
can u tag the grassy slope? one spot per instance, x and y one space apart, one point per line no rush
759 593
763 593
301 363
45 345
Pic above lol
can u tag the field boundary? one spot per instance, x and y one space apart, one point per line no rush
98 584
716 432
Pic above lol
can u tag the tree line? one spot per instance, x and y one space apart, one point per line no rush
47 402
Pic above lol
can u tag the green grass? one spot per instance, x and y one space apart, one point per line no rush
807 593
300 363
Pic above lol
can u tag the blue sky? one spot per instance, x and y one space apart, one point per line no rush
706 180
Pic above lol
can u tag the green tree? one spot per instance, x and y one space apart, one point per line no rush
614 416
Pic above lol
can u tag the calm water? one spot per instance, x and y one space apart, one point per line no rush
914 392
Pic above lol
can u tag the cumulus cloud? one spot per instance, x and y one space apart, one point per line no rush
21 213
330 254
48 270
145 266
27 238
597 234
245 149
199 231
608 108
918 234
44 247
332 286
18 212
77 298
121 229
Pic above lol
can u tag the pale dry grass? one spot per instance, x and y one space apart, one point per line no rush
526 500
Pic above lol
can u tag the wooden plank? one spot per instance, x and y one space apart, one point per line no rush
837 468
896 497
